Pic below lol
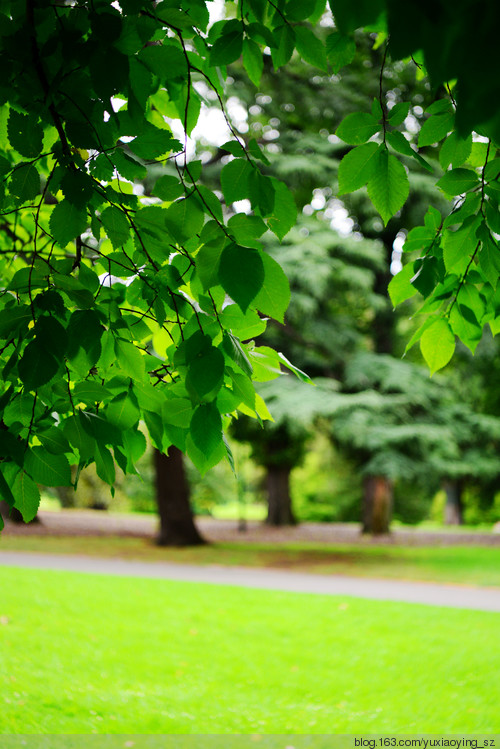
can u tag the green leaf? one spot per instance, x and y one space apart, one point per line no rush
6 491
205 374
90 391
116 226
400 288
459 245
104 464
399 113
168 188
123 412
357 167
274 297
284 213
252 61
153 142
178 412
206 429
25 134
437 344
435 129
184 219
458 181
46 468
54 441
357 128
227 48
234 180
130 360
241 274
25 182
455 150
67 222
285 44
310 48
26 496
37 365
388 187
340 51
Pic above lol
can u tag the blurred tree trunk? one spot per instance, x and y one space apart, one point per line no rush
278 496
453 512
177 527
377 505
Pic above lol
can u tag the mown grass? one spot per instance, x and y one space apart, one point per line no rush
464 565
86 653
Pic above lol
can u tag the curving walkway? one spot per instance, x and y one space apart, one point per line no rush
456 596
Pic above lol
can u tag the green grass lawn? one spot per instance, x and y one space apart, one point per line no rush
85 653
465 565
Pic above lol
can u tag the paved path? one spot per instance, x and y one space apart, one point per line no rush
94 523
456 596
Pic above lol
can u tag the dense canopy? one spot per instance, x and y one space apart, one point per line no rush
130 292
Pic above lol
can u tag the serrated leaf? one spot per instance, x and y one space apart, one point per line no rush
400 288
25 134
153 142
459 245
252 61
168 188
234 180
184 219
274 297
437 344
458 181
284 213
455 150
37 366
399 113
26 496
206 429
285 44
25 182
123 412
205 374
178 412
129 359
116 226
67 222
340 50
104 464
357 128
435 129
357 167
388 187
227 48
46 468
241 274
310 47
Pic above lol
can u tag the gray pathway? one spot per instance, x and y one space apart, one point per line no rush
456 596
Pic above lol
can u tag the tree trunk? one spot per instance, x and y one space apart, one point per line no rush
377 505
453 513
278 496
177 527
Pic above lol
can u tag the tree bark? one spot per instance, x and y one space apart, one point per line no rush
453 512
278 496
177 527
377 505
